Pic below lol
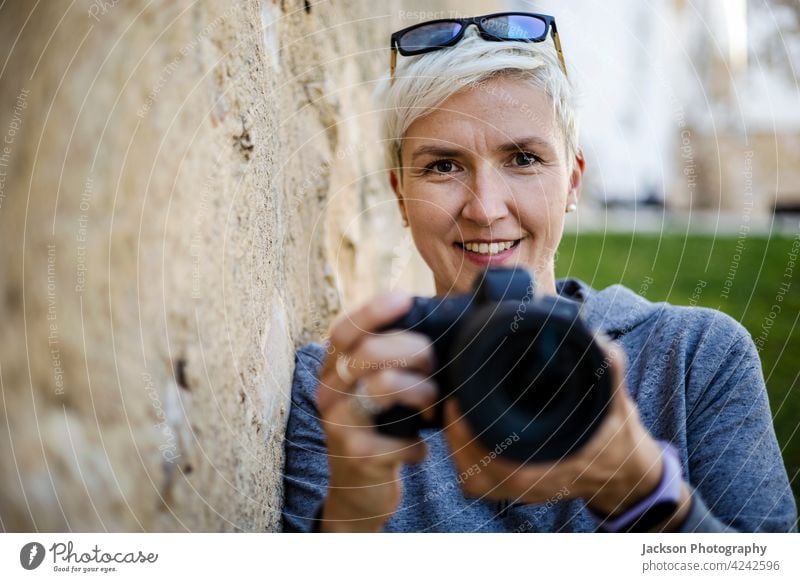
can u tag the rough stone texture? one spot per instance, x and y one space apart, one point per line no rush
190 190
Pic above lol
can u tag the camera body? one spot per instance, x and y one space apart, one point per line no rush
523 370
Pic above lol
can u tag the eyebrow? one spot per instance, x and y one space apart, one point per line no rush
525 142
512 146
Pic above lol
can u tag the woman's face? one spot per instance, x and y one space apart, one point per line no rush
486 182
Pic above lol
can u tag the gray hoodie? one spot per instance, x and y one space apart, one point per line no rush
696 378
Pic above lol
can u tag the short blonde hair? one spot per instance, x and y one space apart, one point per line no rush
425 81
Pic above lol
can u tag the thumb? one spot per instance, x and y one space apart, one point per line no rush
617 362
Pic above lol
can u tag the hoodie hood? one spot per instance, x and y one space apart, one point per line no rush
615 310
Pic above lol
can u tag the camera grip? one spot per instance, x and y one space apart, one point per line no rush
403 421
435 318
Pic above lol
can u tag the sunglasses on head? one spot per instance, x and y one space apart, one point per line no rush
503 26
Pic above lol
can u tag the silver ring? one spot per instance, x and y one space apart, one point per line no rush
364 401
342 371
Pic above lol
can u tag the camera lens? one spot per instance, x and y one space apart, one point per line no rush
533 381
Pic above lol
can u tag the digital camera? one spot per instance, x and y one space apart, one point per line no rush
518 366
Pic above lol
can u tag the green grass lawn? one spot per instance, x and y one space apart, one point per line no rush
741 276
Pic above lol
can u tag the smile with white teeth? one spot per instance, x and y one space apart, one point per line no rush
489 248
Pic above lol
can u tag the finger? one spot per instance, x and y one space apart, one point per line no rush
466 452
621 415
346 332
379 352
365 445
393 386
390 450
374 450
407 350
348 329
617 364
484 474
382 390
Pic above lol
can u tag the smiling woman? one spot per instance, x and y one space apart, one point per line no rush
481 189
481 144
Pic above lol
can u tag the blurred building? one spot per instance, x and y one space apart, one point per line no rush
689 103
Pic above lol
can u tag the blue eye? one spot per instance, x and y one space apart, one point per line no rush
440 167
525 159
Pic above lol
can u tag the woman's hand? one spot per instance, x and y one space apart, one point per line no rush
620 465
365 482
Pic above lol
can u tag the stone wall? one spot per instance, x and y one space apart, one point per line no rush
188 192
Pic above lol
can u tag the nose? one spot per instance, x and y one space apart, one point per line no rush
487 198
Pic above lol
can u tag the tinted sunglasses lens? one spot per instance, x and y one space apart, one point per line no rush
435 34
516 27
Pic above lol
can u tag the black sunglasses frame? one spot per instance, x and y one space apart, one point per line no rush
478 21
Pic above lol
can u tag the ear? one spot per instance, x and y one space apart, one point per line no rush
398 191
576 178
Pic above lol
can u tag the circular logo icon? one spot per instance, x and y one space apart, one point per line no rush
31 555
